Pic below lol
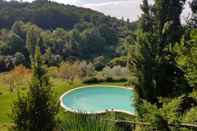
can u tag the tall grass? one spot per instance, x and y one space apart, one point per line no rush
84 122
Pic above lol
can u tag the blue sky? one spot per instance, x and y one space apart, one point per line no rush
118 8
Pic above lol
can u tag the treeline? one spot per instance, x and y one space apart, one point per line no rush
84 42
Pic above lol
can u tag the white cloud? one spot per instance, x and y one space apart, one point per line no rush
121 8
71 2
126 8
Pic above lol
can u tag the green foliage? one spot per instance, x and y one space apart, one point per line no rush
191 116
43 14
32 39
20 113
83 122
113 73
91 80
122 61
146 20
152 64
186 57
65 32
37 110
163 69
11 43
161 118
168 11
143 61
193 20
20 58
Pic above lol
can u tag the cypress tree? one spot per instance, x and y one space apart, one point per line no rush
146 19
193 20
153 65
32 40
167 20
37 110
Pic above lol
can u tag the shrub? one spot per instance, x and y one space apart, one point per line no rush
19 76
109 79
91 80
113 73
75 70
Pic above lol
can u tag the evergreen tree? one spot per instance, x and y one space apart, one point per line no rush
143 60
32 39
155 68
167 20
193 20
146 19
36 111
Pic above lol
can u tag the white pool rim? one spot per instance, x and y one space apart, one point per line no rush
98 112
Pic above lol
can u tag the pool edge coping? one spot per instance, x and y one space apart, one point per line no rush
66 108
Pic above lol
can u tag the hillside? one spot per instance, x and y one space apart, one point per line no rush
47 15
66 32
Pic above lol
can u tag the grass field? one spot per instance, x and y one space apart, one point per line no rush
7 97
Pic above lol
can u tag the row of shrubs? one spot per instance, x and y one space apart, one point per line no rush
92 80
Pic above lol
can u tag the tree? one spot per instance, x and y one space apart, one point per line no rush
152 63
32 39
19 59
186 57
193 20
36 111
18 28
11 44
92 41
167 20
143 60
146 19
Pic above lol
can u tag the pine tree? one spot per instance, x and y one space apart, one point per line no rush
36 111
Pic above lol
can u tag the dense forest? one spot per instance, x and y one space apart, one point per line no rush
48 48
65 33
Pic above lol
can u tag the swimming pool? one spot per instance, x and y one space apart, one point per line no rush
98 99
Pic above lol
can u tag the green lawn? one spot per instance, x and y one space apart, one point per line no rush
7 97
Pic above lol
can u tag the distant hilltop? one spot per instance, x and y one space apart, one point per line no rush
45 14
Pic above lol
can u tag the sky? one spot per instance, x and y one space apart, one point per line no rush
117 8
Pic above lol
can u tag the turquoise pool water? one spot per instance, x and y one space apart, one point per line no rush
98 99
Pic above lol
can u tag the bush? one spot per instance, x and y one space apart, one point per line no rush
91 80
109 79
119 61
20 76
115 73
74 70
